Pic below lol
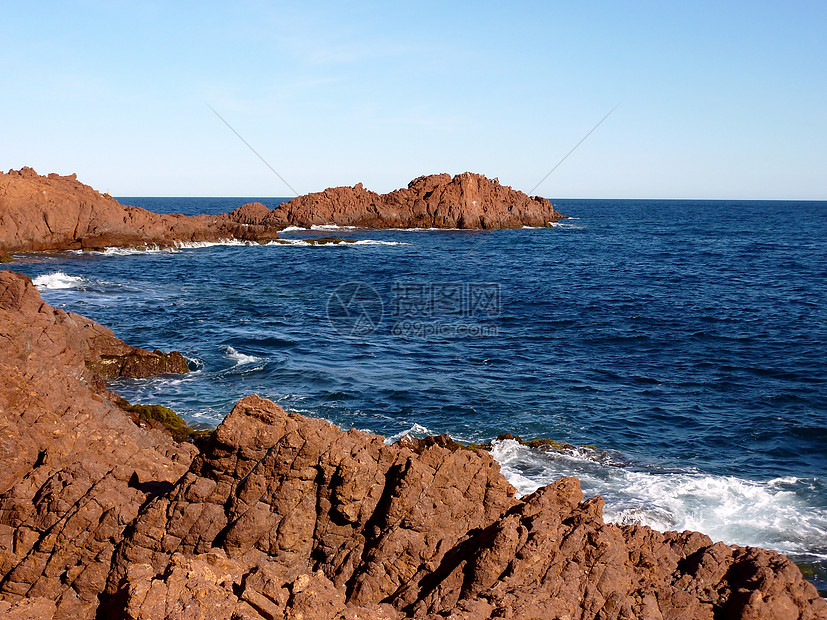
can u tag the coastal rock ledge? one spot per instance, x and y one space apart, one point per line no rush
282 516
53 212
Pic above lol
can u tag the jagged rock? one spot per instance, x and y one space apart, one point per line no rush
68 457
105 356
432 529
282 516
467 200
28 609
53 212
315 497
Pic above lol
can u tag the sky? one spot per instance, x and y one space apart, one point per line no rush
714 100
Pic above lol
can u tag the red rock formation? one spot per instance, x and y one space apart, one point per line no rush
281 516
75 468
278 504
438 201
53 212
59 213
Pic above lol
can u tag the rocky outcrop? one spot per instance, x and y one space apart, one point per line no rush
282 516
55 212
76 470
438 201
104 355
39 213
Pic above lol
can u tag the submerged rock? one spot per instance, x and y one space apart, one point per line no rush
282 516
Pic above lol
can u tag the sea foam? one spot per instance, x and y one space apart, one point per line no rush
306 243
331 227
773 514
58 280
415 430
240 358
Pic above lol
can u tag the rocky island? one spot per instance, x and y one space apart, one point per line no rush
276 515
53 212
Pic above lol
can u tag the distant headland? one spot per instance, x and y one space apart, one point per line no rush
53 212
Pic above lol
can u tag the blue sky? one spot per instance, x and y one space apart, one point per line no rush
717 99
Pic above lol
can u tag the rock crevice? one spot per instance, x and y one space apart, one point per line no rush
281 516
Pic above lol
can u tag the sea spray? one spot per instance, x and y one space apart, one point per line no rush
776 514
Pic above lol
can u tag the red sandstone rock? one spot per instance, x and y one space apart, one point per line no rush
75 469
59 213
104 355
281 516
53 212
428 527
438 201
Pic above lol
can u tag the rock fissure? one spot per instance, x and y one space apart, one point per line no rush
277 515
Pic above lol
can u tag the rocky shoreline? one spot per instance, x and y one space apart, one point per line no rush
275 515
52 212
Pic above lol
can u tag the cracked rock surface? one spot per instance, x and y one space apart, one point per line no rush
283 516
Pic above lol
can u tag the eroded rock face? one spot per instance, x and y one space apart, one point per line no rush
281 516
75 469
283 503
53 212
104 355
466 200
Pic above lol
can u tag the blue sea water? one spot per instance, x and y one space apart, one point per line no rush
684 341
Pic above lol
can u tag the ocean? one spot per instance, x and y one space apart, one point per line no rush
677 347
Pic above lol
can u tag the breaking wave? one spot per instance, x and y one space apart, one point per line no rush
240 358
774 514
58 280
415 430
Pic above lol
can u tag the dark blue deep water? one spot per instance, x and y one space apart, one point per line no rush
684 340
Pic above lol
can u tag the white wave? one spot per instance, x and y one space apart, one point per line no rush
378 242
58 280
304 243
240 358
292 229
153 248
190 245
433 228
146 249
343 243
198 364
775 514
416 430
331 227
565 224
